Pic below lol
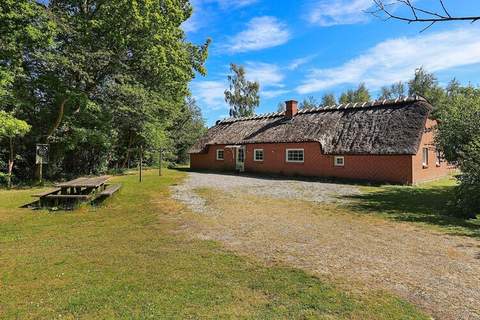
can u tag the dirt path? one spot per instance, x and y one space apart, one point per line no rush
437 272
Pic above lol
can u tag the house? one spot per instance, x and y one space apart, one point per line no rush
387 141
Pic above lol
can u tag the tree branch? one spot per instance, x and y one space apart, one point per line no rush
418 15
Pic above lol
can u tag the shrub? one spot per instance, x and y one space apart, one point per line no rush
458 137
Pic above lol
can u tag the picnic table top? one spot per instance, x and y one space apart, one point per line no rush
86 182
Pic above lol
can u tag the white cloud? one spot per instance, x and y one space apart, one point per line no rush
396 59
336 12
268 75
202 15
300 62
228 4
261 33
210 94
273 93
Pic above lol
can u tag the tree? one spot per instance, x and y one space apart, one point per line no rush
328 99
453 88
361 94
384 9
458 138
11 128
25 28
96 76
188 127
242 95
426 85
394 91
309 103
281 107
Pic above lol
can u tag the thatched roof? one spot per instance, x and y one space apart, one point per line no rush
379 127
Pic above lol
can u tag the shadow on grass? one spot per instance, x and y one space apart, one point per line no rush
425 204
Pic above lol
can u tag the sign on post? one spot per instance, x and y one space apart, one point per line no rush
41 154
41 158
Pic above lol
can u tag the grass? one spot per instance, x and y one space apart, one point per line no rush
125 260
429 204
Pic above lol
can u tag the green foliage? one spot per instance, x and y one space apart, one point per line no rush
25 28
361 94
396 90
426 85
242 95
187 128
10 127
458 138
308 103
96 79
328 99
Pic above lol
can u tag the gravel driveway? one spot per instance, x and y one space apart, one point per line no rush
265 186
438 272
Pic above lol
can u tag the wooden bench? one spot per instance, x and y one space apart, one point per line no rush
111 189
46 193
69 196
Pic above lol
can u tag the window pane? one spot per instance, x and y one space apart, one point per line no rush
258 155
241 155
425 156
295 155
339 161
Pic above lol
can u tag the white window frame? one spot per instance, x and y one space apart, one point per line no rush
425 159
255 155
223 153
295 161
336 164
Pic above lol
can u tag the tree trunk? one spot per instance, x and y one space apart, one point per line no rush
61 111
127 157
10 165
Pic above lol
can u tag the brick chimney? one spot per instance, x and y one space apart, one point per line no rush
290 108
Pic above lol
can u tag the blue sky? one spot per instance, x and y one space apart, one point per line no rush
297 49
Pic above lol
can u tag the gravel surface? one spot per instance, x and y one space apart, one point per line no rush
438 272
265 186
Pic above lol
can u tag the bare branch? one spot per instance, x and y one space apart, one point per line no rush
418 15
445 9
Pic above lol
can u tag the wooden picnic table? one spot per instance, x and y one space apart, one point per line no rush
71 192
87 182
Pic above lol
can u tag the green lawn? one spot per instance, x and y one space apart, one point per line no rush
429 204
124 261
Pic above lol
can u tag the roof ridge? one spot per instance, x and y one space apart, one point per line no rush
353 105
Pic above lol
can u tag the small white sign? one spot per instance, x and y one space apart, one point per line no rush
41 154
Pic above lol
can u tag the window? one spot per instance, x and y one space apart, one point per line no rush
339 161
425 157
241 155
258 155
220 154
295 155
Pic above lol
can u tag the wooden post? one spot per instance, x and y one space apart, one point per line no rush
141 160
160 162
40 176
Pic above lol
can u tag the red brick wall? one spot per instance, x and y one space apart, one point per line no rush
208 161
368 167
404 169
432 171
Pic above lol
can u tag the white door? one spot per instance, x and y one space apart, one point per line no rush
240 159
